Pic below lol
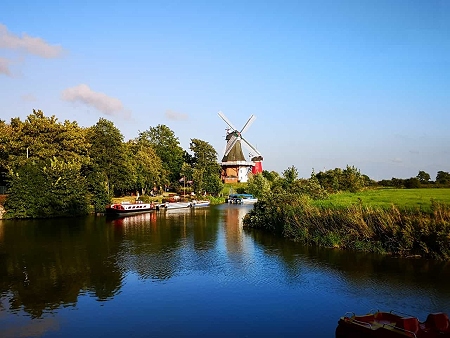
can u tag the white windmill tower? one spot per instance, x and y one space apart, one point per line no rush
235 167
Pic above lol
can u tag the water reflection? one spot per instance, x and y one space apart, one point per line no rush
196 259
391 283
46 264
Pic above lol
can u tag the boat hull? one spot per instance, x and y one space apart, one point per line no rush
128 209
392 325
198 204
175 205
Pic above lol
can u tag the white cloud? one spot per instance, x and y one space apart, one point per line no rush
4 66
102 102
173 115
32 45
28 98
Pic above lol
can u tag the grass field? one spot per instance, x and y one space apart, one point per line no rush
385 198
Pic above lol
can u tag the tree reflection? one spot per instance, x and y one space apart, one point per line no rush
363 271
46 264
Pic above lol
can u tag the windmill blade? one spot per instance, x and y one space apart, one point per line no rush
230 144
248 124
251 147
226 120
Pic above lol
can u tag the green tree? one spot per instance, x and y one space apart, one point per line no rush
353 181
109 156
290 175
331 180
187 174
271 176
167 147
44 159
412 183
206 172
423 177
443 177
258 185
147 166
47 188
313 188
41 138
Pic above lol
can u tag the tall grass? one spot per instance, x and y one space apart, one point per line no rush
387 230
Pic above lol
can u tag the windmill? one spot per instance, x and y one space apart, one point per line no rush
234 165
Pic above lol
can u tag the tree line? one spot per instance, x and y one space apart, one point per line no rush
318 186
54 168
422 180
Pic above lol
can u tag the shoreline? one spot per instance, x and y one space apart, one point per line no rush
394 231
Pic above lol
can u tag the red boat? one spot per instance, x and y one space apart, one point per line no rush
392 325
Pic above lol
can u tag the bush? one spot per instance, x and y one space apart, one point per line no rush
394 231
47 189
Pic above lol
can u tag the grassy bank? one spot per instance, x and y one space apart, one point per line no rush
410 230
385 198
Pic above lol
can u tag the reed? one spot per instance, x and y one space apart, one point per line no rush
393 230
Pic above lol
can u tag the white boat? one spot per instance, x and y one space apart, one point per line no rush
241 199
175 205
128 208
198 204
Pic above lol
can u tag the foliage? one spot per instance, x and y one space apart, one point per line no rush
289 176
412 183
349 179
421 180
49 188
423 177
108 155
258 185
96 183
187 172
167 146
41 138
146 166
313 188
393 231
271 176
443 177
206 171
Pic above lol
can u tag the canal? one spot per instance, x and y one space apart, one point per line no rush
193 273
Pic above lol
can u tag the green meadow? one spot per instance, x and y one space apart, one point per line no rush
384 198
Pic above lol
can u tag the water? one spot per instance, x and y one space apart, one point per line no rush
186 273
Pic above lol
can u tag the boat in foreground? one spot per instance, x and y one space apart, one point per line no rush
391 324
128 208
241 199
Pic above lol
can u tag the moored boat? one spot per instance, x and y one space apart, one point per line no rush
198 204
391 325
128 208
241 199
175 205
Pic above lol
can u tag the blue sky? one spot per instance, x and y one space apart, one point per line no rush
363 83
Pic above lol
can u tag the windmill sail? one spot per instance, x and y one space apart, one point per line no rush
234 153
234 164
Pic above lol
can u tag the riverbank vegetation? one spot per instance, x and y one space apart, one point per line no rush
353 214
54 169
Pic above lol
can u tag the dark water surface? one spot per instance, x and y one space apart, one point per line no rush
194 273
